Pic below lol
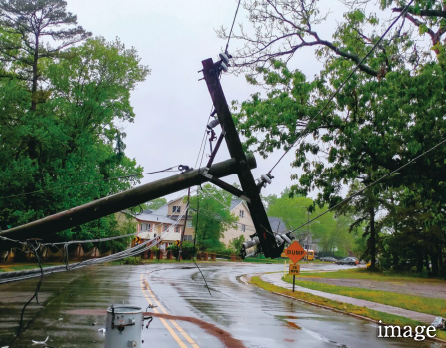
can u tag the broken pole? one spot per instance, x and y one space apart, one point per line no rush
251 190
111 204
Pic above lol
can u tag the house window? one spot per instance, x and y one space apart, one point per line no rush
177 229
242 213
243 228
187 238
189 223
166 227
176 209
148 227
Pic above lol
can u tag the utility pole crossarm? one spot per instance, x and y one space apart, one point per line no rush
256 208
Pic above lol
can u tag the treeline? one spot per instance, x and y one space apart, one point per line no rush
62 94
391 110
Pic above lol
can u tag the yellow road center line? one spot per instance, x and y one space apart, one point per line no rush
174 323
166 325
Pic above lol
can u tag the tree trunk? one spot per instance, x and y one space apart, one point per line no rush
434 259
442 269
419 263
396 261
35 75
426 259
372 238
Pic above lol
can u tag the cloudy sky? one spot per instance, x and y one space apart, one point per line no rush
172 106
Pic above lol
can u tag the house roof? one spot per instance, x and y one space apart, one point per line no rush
277 225
162 211
235 202
155 217
176 199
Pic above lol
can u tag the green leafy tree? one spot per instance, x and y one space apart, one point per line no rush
35 21
156 203
236 243
51 154
211 209
387 113
331 232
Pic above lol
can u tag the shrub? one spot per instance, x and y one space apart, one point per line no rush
188 250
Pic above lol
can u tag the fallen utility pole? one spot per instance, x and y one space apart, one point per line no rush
251 191
108 205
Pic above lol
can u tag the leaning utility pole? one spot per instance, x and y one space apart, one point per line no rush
251 190
108 205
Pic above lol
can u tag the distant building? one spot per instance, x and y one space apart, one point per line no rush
173 210
277 225
170 218
244 225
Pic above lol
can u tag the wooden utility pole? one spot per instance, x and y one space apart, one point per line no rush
250 189
185 225
108 205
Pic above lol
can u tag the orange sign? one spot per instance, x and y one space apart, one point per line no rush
294 269
295 252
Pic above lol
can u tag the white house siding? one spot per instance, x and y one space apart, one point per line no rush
246 220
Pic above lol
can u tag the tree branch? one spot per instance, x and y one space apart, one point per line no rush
422 13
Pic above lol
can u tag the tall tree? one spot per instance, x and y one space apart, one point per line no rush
75 134
387 113
37 21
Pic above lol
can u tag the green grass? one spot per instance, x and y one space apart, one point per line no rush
23 266
262 260
362 273
344 307
427 305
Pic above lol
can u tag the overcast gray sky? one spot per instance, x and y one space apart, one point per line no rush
171 106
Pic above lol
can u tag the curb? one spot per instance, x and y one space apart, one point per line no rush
340 311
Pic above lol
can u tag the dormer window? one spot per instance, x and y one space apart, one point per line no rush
176 209
241 213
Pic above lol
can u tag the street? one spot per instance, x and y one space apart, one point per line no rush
236 315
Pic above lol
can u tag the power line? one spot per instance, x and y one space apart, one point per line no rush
8 277
342 84
230 33
370 185
202 142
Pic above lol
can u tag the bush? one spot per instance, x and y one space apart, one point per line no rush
188 250
132 260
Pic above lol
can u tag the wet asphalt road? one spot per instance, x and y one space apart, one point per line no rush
71 302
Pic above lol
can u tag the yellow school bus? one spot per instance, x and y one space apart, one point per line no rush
310 255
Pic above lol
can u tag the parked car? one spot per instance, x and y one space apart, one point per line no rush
348 261
328 259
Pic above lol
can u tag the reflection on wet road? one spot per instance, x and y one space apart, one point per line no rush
258 318
72 302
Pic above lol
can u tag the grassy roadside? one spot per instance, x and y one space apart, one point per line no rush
362 273
343 307
278 260
24 266
428 305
